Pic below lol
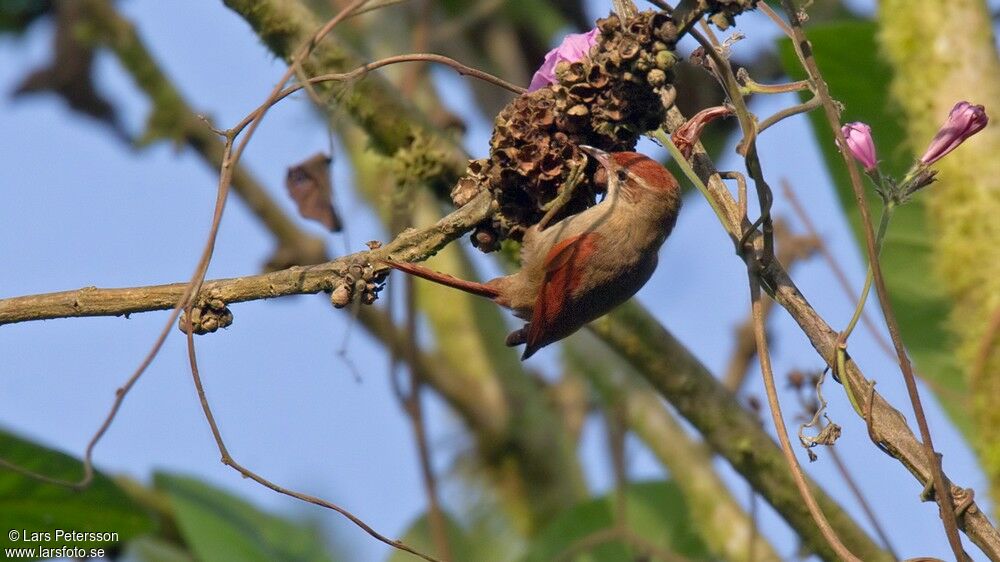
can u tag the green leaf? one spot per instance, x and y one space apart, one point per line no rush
36 510
656 512
220 527
847 55
150 549
420 538
17 15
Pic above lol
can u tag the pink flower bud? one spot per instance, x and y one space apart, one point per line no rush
859 143
574 47
964 121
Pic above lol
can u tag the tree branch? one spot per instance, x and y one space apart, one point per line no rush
764 356
889 425
726 527
413 244
942 491
728 428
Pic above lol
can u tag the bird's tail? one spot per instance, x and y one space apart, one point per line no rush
472 287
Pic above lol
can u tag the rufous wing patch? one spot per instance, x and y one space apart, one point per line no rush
565 266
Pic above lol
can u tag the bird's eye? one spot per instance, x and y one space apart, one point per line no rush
622 175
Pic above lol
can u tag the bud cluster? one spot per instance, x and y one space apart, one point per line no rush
206 317
606 99
964 121
360 282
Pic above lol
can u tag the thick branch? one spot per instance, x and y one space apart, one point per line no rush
729 429
412 244
728 530
888 424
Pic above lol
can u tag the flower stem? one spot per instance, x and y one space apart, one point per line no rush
883 226
664 139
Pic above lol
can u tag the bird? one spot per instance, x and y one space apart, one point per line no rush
585 265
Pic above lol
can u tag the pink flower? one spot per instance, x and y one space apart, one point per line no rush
859 143
964 121
574 47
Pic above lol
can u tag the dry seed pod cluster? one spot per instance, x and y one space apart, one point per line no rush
605 100
361 282
723 12
207 317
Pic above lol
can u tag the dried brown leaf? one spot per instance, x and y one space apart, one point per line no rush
310 186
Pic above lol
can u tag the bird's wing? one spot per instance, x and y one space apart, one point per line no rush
564 267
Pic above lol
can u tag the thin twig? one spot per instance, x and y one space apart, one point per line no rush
852 484
193 287
783 114
366 68
791 250
833 264
229 461
941 488
748 145
779 424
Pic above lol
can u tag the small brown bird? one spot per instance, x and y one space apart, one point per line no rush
582 267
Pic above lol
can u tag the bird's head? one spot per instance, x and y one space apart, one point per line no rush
635 175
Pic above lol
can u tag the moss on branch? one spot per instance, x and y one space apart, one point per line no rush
728 428
393 124
171 118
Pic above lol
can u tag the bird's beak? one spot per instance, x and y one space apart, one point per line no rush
602 157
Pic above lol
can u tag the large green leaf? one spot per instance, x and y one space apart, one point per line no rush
655 511
464 544
151 549
36 510
847 54
220 527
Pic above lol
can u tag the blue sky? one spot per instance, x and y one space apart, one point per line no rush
83 209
